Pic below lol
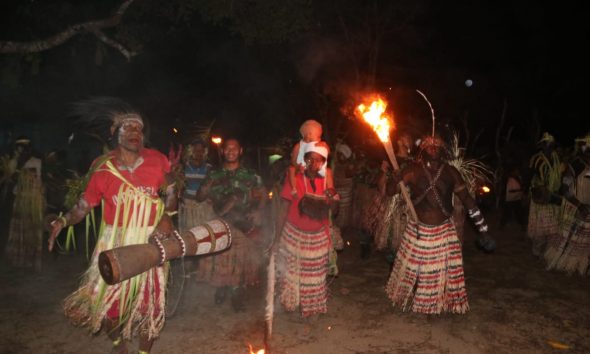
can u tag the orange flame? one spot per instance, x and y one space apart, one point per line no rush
216 140
375 116
260 351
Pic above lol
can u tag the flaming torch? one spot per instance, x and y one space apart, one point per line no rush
374 114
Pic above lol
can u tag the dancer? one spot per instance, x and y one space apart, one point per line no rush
427 275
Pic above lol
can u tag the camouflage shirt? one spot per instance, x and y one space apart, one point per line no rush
239 183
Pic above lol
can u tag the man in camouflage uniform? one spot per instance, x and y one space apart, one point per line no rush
238 197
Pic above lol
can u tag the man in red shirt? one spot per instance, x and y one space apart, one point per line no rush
127 180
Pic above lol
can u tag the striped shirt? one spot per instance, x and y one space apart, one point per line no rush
194 177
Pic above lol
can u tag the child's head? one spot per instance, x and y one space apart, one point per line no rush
311 130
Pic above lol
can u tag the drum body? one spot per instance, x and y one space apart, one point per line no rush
122 263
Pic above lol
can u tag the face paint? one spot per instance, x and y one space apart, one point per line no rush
131 134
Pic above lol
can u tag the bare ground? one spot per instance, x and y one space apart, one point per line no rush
516 307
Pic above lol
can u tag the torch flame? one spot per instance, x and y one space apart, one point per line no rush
260 351
376 117
216 140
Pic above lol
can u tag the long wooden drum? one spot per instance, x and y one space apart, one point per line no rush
122 263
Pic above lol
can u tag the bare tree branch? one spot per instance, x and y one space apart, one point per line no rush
95 27
111 42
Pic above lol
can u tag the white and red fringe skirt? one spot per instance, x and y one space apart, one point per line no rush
427 276
302 267
94 301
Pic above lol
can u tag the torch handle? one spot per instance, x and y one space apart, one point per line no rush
404 189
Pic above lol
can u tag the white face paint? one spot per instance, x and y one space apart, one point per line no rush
130 135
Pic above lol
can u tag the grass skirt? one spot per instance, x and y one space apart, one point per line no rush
302 266
24 247
192 213
570 251
237 266
427 276
543 221
95 301
344 188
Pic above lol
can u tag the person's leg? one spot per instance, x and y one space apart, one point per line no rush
365 242
220 294
238 294
114 333
145 344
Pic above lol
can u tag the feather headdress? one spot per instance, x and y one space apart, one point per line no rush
100 116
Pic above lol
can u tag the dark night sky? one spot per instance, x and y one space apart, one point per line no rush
525 52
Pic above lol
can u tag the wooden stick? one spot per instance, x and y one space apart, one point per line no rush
404 189
269 310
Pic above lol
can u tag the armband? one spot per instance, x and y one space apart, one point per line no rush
475 212
161 250
63 220
481 224
181 241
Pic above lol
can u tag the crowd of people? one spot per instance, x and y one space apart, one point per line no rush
318 195
559 223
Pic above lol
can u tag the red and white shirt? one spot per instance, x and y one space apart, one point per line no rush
148 175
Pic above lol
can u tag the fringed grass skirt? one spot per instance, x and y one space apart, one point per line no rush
543 221
395 221
192 213
344 189
427 276
24 246
302 266
95 301
570 252
237 266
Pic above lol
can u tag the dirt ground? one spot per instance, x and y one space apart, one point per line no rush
516 307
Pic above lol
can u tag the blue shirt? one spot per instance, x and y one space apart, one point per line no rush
193 177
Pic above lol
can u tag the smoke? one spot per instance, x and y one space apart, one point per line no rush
317 57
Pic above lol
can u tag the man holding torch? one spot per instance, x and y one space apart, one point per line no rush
427 276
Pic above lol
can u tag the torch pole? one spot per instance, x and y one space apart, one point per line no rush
404 189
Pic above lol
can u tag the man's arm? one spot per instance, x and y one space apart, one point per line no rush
483 241
171 197
205 188
393 184
72 217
